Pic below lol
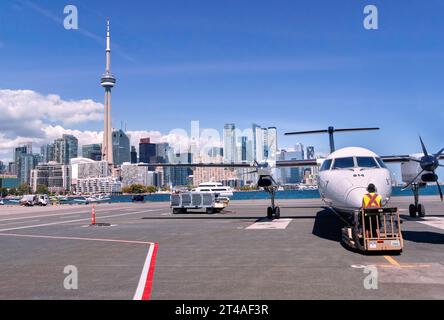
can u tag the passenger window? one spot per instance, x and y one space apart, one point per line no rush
381 163
343 163
326 165
366 162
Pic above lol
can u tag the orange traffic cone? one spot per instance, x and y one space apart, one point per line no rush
93 216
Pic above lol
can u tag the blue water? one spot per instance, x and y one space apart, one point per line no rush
254 195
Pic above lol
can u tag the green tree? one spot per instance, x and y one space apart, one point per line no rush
150 189
3 192
42 189
24 188
13 192
134 189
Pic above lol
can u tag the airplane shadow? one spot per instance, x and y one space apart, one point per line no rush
423 237
327 225
203 216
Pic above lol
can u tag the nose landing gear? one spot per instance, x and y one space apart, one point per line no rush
273 212
416 208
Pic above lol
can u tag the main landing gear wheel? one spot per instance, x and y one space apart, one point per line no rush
412 211
276 213
270 213
419 209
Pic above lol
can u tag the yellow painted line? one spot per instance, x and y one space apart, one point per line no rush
404 266
392 261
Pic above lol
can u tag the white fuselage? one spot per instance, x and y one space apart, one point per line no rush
345 175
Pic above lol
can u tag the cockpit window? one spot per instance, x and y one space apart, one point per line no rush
343 163
326 165
366 162
381 163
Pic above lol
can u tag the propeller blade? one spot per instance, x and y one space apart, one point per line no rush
439 153
441 165
424 149
410 183
440 191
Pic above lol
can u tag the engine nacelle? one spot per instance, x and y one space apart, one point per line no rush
429 177
265 182
411 169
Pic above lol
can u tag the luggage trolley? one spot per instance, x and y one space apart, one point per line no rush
376 229
210 202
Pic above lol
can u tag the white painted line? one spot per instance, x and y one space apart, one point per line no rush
278 224
11 223
143 290
52 215
74 238
436 222
77 220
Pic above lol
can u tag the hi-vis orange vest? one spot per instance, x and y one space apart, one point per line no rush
371 200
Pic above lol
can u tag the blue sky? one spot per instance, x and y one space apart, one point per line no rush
296 65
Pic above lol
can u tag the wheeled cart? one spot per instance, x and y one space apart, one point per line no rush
377 229
210 202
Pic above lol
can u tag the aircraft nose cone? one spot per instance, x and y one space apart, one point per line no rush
355 196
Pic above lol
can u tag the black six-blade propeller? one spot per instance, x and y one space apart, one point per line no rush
429 163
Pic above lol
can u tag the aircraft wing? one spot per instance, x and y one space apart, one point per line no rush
396 158
283 163
297 163
200 165
402 158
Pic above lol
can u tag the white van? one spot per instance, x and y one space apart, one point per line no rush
42 200
28 200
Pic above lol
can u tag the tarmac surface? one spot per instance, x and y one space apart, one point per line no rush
149 253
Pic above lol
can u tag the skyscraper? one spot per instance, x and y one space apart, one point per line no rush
27 162
179 176
18 152
47 152
244 146
147 150
92 151
108 81
291 175
257 153
272 143
133 154
230 142
121 147
73 146
65 149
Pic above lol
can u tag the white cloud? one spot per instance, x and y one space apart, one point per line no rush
28 105
28 116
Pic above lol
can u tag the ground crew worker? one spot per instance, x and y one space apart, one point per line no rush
371 200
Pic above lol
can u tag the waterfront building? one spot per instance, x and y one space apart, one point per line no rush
53 175
92 151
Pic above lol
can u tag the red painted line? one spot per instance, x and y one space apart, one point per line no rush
72 238
149 279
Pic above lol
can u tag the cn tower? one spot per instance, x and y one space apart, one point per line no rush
108 81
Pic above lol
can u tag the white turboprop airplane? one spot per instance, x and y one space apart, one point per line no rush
345 174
